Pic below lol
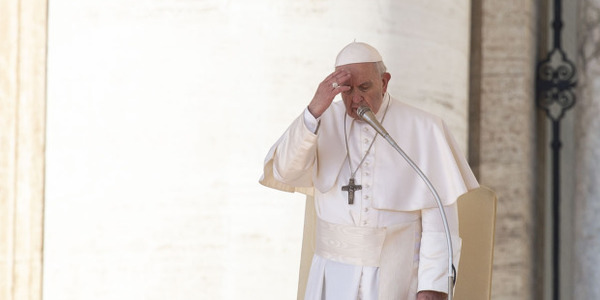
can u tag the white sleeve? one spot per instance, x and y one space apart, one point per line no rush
433 257
294 155
310 121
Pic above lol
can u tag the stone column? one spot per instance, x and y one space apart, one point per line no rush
501 142
22 139
587 148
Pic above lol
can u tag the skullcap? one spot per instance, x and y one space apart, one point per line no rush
357 52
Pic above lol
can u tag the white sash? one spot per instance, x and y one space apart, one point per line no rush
392 249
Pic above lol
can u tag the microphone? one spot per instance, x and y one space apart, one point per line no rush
365 113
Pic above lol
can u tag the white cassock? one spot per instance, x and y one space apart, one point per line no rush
390 243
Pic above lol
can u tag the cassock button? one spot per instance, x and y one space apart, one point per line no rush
366 209
367 197
366 141
365 222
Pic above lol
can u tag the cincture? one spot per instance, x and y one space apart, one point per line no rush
367 246
349 244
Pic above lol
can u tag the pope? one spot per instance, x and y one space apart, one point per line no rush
377 230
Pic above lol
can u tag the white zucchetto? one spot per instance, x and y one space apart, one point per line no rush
357 52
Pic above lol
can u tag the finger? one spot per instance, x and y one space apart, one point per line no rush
333 75
330 85
342 79
330 76
338 80
342 88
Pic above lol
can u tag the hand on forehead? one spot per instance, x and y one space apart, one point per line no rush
360 73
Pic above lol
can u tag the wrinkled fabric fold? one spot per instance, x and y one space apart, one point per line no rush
353 245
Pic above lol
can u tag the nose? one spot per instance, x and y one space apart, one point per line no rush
357 98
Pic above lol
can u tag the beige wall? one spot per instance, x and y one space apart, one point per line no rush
160 114
22 138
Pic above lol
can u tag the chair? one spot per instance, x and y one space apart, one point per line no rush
477 216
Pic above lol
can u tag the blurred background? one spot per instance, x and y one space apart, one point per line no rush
133 136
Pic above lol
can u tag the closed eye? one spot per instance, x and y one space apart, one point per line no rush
365 86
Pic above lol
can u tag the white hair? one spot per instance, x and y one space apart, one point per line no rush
381 68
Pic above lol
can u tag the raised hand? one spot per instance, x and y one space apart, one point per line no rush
334 84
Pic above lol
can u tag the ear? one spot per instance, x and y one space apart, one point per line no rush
385 78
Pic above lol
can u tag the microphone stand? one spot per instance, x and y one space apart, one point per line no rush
367 115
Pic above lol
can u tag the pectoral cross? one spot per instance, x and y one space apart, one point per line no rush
351 188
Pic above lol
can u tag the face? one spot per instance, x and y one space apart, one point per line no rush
367 87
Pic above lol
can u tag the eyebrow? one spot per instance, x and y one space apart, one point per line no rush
365 84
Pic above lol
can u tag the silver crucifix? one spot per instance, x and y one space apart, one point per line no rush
351 188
